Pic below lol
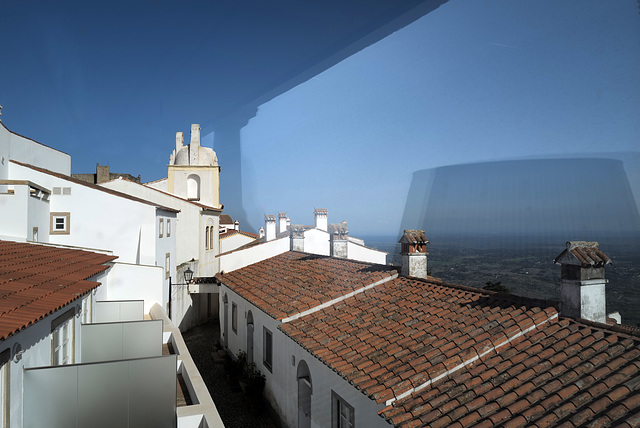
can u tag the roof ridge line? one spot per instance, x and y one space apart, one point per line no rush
470 360
339 299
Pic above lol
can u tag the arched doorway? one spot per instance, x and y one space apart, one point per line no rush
249 337
225 327
305 390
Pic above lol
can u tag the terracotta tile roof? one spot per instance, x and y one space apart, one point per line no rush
582 253
233 232
93 186
568 373
320 211
36 280
406 333
293 282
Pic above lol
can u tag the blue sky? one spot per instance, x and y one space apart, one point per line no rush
470 83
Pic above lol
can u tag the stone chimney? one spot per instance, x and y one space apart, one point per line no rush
413 252
270 227
102 173
282 222
339 237
582 281
321 218
297 237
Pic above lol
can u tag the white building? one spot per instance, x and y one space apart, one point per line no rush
321 238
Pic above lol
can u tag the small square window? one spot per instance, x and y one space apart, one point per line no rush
234 317
267 354
60 224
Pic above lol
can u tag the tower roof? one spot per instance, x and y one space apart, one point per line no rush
412 236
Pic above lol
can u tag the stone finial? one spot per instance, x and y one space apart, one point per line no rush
195 135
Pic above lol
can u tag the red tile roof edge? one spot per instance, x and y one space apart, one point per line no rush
93 186
233 232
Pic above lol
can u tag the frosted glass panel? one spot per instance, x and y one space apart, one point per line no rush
142 339
49 398
153 392
141 391
121 340
119 310
102 395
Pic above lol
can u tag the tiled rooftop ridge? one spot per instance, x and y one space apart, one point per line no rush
586 253
569 374
36 280
405 334
294 282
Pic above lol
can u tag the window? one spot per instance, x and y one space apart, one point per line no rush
234 317
211 238
5 387
168 227
60 223
193 187
62 339
161 228
267 351
167 265
34 237
206 238
342 414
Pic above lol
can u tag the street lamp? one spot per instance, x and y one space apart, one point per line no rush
188 276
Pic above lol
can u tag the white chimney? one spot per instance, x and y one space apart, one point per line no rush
583 284
297 238
194 146
261 232
179 141
282 222
236 225
321 218
339 240
270 227
413 252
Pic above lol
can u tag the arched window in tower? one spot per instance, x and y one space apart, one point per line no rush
206 238
193 187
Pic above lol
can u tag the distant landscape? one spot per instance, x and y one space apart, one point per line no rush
525 265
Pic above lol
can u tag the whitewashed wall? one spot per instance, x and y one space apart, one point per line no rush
230 243
241 258
316 241
17 147
21 212
365 254
124 226
135 282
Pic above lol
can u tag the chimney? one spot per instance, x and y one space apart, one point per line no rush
102 173
297 237
321 218
338 235
179 141
414 253
194 146
282 222
582 288
270 227
236 225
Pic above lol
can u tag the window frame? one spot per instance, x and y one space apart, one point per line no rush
168 227
234 317
337 404
267 349
58 326
66 217
161 228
